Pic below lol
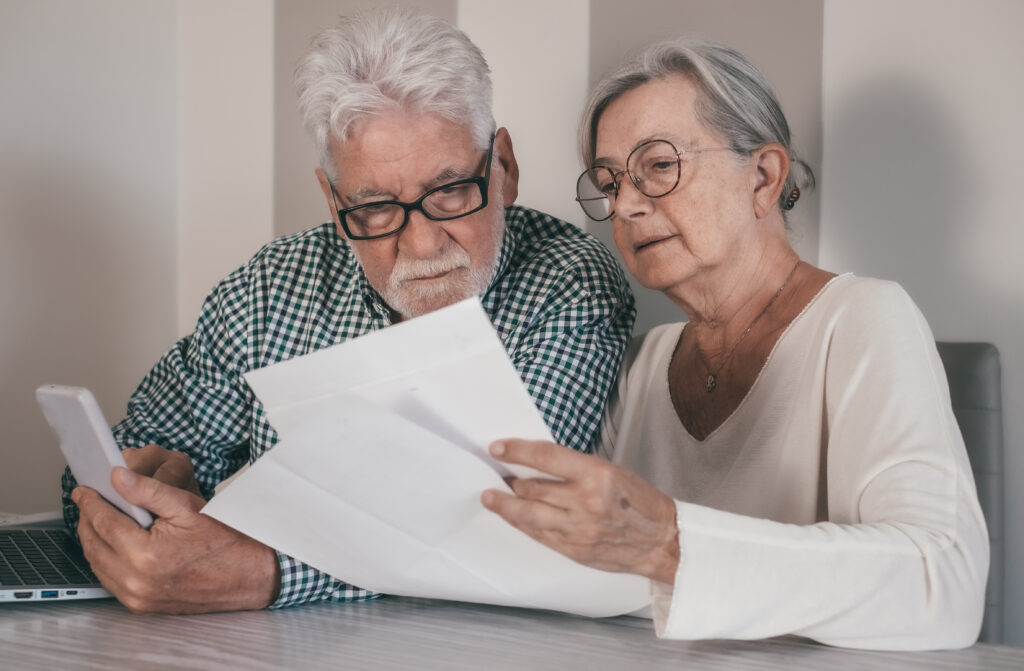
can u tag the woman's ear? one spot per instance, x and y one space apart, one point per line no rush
509 166
771 164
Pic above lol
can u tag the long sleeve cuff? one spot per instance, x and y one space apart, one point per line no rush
301 583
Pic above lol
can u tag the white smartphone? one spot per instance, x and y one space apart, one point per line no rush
87 443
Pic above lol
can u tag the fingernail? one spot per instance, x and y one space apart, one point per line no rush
76 494
127 477
497 449
487 497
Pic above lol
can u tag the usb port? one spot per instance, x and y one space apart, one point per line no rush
23 595
48 594
71 592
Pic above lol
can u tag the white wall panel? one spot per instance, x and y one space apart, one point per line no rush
539 54
226 196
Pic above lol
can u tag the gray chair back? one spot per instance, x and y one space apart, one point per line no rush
976 391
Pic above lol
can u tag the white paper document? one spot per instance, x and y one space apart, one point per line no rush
382 459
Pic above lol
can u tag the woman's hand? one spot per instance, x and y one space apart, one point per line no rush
597 513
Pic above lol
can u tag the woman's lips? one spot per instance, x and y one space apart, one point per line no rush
649 241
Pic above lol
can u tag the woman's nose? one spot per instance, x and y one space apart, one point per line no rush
630 201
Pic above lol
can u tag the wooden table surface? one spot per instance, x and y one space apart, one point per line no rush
398 633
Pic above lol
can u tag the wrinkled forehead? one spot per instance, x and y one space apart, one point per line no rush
399 148
659 109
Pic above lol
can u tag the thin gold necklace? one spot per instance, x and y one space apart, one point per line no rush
712 382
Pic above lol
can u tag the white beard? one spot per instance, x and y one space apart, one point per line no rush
410 297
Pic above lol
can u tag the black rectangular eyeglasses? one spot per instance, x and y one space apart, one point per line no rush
386 217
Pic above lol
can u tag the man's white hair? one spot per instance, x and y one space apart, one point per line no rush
391 59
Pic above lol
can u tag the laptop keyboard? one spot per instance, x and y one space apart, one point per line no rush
41 557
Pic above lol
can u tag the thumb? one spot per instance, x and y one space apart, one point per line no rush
159 498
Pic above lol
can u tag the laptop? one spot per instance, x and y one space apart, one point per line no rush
40 561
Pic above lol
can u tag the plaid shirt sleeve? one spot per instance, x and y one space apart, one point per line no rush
565 313
569 358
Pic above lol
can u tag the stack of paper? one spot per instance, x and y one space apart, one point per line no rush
382 459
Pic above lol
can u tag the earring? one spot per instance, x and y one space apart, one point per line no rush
794 196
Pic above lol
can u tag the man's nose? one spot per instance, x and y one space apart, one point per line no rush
422 238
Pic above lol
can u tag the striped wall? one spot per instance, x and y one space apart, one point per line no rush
179 151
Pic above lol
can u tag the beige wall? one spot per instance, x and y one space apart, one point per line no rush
88 207
225 148
540 83
921 184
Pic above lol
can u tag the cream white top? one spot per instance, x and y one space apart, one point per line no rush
836 502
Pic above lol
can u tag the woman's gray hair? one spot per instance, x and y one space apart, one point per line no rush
391 59
735 100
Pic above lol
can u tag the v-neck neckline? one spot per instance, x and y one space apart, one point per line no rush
750 391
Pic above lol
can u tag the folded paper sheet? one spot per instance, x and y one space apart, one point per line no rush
382 458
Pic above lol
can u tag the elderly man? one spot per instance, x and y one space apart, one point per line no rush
420 188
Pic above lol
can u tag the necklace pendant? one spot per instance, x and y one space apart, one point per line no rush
711 383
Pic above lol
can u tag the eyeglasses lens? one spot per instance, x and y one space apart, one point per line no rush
593 189
453 200
375 220
450 201
654 167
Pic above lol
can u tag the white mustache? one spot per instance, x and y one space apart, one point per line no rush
413 269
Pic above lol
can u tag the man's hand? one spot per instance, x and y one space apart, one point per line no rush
185 563
596 513
168 466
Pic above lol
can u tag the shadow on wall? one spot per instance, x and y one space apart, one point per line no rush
900 187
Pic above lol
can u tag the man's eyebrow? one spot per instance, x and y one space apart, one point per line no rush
366 194
369 195
447 175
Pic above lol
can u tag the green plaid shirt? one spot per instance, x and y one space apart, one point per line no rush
558 300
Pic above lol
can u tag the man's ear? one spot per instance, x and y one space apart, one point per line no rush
771 165
509 166
325 186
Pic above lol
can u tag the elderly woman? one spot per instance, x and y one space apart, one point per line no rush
787 460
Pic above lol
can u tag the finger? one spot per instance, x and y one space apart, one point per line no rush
534 518
545 456
557 493
110 567
143 460
101 526
166 501
178 472
96 550
174 468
